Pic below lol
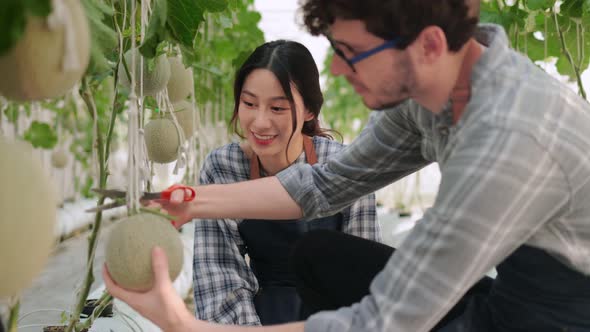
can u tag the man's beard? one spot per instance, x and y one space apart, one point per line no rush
403 91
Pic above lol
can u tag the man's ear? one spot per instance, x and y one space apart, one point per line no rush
430 45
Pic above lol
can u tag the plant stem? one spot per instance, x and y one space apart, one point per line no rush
103 174
13 318
568 55
101 304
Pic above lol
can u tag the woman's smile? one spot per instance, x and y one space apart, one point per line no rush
263 139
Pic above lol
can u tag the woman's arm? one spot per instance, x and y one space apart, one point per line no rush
388 151
164 307
257 199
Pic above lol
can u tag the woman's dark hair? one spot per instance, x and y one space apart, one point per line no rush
290 62
403 19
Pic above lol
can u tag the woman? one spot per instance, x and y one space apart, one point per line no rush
277 104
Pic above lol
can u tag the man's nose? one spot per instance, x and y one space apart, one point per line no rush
339 67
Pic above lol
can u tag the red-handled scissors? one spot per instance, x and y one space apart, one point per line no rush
119 196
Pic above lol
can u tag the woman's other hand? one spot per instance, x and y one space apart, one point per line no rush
161 304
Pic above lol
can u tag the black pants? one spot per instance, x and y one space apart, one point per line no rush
335 269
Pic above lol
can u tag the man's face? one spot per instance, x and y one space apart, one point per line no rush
384 79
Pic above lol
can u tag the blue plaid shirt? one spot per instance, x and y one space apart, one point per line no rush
224 285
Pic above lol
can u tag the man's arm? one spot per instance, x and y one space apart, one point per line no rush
387 150
497 190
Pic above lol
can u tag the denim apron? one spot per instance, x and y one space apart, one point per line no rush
268 243
532 292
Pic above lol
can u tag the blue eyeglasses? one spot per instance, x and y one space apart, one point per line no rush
361 56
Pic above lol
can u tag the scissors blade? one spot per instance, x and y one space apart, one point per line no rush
151 196
112 193
106 206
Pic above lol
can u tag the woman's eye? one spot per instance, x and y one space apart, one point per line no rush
247 103
278 109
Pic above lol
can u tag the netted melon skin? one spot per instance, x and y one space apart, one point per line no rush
181 82
28 215
154 81
129 248
183 111
59 159
161 140
32 69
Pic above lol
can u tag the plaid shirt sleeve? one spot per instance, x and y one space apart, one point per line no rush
360 218
224 285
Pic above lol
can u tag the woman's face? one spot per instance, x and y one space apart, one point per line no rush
265 114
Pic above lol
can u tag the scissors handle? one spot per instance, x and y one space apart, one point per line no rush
168 192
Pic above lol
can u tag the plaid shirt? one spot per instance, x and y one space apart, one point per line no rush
224 284
515 170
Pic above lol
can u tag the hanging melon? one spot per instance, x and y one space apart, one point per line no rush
50 58
154 80
181 83
161 140
59 159
184 111
27 217
129 250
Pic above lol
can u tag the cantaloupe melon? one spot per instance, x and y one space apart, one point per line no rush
181 83
28 212
154 80
59 159
129 247
33 68
161 140
183 110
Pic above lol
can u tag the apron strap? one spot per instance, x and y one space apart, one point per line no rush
462 92
310 156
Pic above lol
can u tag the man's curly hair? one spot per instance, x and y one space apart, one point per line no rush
389 19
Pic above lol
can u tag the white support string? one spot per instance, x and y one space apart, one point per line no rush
61 16
165 105
133 129
199 157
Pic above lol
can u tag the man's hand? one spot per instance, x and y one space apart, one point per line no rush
161 304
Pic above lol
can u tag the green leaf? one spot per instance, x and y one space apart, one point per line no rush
105 39
240 59
572 8
13 19
12 24
213 5
38 7
540 4
156 30
183 20
41 135
12 113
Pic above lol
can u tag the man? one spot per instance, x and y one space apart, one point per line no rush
512 144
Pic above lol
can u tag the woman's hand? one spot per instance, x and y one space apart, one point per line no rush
161 304
176 206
